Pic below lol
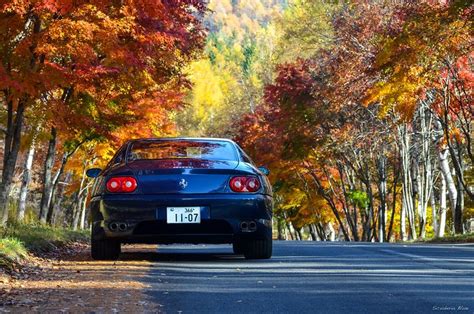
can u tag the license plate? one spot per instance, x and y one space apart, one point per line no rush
183 215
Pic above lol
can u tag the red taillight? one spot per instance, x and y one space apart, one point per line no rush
122 185
244 184
114 185
129 184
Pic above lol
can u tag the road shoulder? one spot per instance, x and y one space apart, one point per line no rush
76 283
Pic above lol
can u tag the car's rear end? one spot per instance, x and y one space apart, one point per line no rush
182 191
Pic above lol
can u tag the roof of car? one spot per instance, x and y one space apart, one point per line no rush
182 138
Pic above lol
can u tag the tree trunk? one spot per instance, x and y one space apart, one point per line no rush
25 182
331 233
345 204
412 171
320 231
312 232
458 211
434 213
394 203
330 202
406 180
10 155
457 160
300 235
78 198
55 181
285 231
54 185
289 230
13 132
425 192
84 208
381 167
47 180
446 173
370 226
280 229
442 208
294 236
403 219
77 212
408 199
426 174
58 200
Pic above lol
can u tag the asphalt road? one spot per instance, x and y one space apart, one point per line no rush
309 277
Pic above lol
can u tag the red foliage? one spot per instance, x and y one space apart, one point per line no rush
100 64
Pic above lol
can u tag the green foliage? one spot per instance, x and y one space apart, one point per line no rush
359 198
249 49
40 238
18 240
460 238
12 251
306 28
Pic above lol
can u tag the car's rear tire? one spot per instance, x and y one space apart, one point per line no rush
258 249
105 249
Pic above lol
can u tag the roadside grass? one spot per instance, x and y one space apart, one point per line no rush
12 252
17 241
40 238
460 238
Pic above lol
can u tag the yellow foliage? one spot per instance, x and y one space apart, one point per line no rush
228 80
411 62
208 98
400 92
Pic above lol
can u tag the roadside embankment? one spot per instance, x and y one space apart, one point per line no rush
44 269
20 242
460 238
26 250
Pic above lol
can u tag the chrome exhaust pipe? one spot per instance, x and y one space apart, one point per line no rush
252 226
113 226
244 226
122 226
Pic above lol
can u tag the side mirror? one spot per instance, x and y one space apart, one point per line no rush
93 172
264 170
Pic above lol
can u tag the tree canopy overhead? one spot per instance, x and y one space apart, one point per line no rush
92 69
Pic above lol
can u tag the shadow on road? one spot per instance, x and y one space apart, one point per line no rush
179 254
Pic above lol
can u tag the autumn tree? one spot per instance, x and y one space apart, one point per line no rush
89 67
229 77
365 120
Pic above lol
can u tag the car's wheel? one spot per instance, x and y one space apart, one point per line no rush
258 249
238 247
105 249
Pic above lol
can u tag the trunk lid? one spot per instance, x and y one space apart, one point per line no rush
183 176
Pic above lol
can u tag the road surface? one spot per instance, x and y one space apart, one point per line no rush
310 277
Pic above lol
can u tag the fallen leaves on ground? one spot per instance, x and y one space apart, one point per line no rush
68 280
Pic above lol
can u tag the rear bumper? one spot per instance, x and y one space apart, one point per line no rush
145 217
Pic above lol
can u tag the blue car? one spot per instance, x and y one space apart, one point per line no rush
181 190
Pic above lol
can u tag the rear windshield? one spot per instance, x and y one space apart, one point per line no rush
208 150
